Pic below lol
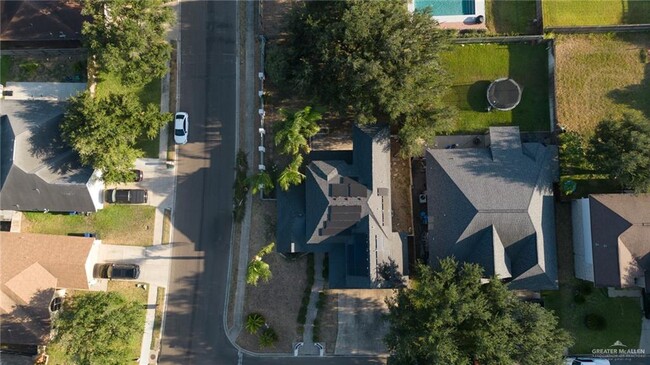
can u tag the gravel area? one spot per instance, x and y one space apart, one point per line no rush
279 299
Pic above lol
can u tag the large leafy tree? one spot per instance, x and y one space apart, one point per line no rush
374 59
127 37
96 328
104 131
621 148
449 317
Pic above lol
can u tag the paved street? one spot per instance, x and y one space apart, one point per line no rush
194 332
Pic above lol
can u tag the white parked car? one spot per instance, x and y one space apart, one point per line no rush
181 127
585 361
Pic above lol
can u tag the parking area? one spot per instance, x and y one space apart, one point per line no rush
154 261
159 182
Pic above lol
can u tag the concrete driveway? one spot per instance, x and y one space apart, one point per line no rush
154 261
360 318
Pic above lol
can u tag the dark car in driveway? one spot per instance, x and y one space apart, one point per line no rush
116 271
127 196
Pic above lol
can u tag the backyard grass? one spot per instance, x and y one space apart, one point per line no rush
600 77
5 65
510 17
473 67
589 12
622 316
115 224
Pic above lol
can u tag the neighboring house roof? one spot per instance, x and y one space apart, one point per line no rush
344 208
38 171
620 231
494 207
40 20
31 267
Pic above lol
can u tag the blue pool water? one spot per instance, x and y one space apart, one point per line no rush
447 7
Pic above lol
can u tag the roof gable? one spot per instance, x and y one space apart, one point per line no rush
478 197
620 227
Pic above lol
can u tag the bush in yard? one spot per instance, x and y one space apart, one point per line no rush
254 322
240 187
621 149
584 288
268 338
595 322
579 298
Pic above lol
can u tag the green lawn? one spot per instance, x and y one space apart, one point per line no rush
622 315
595 12
148 94
473 67
600 77
509 17
115 224
5 65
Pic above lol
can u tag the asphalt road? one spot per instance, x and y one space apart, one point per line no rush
194 331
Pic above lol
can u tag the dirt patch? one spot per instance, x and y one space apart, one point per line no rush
273 15
279 299
401 186
48 68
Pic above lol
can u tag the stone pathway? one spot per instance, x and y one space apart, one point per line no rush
309 347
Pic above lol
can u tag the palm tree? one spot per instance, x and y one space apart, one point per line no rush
291 175
258 269
260 181
254 322
268 338
293 133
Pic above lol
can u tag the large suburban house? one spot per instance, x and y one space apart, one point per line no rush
32 268
494 206
611 239
38 172
344 209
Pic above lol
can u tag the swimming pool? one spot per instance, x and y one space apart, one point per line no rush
447 7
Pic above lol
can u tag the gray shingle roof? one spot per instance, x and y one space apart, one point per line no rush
38 171
494 206
620 227
346 209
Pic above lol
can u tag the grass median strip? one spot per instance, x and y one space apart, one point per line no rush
157 323
167 226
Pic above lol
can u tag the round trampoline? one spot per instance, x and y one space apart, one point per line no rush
504 94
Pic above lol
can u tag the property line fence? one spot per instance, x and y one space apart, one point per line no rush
44 52
504 39
261 112
622 28
551 84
